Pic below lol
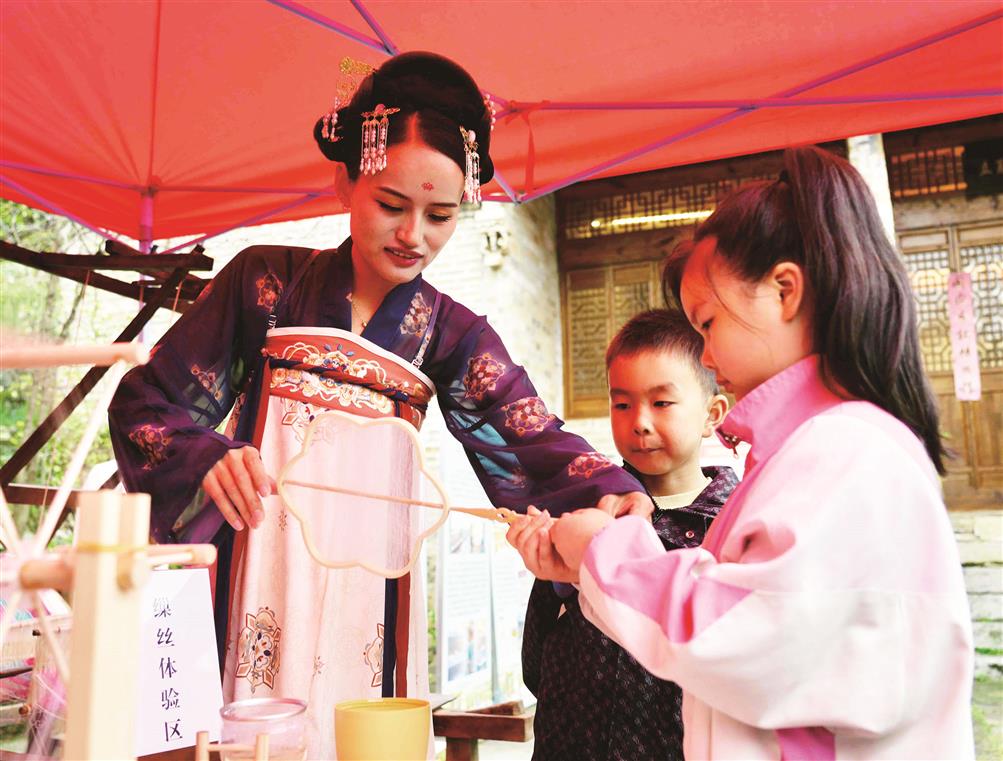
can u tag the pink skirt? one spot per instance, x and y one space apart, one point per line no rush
297 629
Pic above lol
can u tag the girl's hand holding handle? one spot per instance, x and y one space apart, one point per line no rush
530 535
573 532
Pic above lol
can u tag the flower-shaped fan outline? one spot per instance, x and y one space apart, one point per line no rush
330 418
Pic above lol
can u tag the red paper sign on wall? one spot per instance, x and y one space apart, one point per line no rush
964 344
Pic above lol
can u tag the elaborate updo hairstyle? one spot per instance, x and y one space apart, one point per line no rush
434 92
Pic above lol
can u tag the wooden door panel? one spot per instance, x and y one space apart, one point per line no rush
973 430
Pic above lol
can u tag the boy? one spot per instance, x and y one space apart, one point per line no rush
594 700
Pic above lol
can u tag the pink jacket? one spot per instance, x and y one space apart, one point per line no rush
825 615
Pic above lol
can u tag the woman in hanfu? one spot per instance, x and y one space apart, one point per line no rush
288 333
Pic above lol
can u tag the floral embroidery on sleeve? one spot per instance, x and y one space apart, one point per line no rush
585 465
527 415
208 380
417 317
152 443
482 376
269 290
518 478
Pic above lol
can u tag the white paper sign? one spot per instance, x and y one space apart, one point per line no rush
964 344
179 691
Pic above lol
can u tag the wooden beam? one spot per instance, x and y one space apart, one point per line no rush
511 708
57 417
768 164
139 263
190 288
482 726
639 246
462 750
31 494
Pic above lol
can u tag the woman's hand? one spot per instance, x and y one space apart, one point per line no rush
573 532
236 483
631 503
530 535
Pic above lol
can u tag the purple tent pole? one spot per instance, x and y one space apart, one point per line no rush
164 189
623 158
145 243
331 24
509 191
892 54
375 26
68 175
748 105
146 221
826 79
56 208
263 190
243 223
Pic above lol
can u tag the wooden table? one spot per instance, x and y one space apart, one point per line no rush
462 730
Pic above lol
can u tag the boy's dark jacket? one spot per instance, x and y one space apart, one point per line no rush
595 702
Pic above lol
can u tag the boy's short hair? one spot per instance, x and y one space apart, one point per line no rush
662 330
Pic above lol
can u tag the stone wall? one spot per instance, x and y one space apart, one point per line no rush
980 542
946 210
501 263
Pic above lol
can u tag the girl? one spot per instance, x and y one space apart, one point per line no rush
825 614
286 334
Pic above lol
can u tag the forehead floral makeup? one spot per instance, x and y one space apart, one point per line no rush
427 186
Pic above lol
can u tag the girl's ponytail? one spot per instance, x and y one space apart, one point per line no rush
864 322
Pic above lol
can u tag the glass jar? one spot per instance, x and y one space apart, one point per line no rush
282 719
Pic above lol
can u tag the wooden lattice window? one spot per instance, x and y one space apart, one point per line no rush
597 302
677 205
930 255
928 260
926 172
980 252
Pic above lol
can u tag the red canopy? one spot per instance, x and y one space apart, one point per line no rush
206 109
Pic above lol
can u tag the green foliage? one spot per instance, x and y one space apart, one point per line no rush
31 228
38 307
987 717
432 549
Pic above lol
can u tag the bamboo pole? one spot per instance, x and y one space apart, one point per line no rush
497 514
104 650
56 355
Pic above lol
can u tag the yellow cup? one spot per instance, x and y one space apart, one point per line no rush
388 729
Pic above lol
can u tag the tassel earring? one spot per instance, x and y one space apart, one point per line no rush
472 176
489 104
330 121
375 127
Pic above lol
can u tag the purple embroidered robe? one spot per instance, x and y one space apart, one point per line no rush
163 415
